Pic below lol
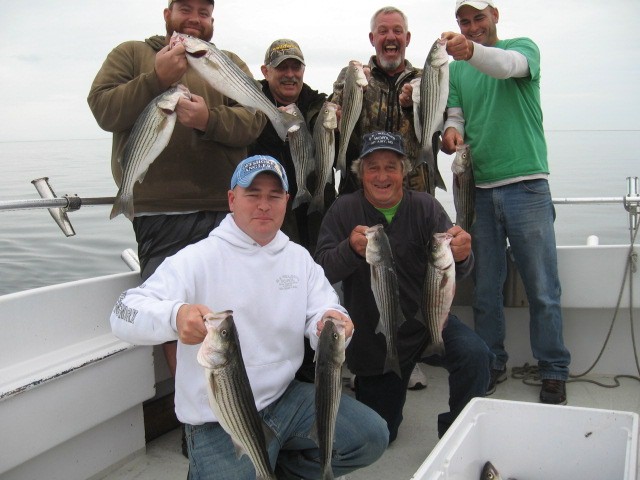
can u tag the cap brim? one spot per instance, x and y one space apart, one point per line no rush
245 182
281 59
385 147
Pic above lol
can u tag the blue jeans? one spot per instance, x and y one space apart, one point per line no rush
466 358
361 437
522 212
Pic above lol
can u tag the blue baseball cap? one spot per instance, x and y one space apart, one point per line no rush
381 141
248 168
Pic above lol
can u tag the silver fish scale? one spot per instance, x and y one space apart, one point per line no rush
149 136
229 79
463 188
351 109
324 139
384 284
235 405
439 288
328 384
434 90
303 156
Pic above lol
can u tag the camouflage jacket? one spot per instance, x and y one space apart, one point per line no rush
381 110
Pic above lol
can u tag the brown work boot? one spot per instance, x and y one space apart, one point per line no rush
553 392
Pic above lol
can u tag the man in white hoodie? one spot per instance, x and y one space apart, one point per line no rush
278 295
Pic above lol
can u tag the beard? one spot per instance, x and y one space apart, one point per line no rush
204 33
389 65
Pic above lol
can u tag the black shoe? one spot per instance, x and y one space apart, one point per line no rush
185 450
497 376
553 392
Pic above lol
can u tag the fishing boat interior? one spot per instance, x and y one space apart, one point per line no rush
78 403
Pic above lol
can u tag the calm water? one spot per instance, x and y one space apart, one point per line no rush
34 252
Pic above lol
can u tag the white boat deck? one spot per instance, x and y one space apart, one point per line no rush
418 433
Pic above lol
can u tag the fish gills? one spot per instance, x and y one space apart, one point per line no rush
324 139
439 289
384 284
328 383
149 137
303 156
464 188
434 91
353 92
230 395
222 74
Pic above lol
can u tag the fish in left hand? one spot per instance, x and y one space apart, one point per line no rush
328 383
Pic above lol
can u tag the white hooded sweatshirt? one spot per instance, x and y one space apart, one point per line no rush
277 294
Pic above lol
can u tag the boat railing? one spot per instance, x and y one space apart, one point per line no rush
60 206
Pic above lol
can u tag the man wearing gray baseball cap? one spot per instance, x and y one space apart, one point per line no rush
410 220
283 70
494 107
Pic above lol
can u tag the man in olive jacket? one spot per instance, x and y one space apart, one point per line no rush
184 193
187 184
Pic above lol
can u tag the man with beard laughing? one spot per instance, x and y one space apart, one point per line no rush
387 72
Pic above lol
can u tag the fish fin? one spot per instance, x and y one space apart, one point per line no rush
392 364
434 349
313 433
379 328
303 196
401 318
268 434
240 451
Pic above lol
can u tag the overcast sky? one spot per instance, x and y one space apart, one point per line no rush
51 50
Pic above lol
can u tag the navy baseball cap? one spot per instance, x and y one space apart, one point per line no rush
381 141
248 168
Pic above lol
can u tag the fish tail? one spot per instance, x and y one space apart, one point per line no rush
286 122
434 349
123 204
303 196
327 474
423 157
316 205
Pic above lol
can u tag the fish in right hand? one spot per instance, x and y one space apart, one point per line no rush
384 284
217 69
230 394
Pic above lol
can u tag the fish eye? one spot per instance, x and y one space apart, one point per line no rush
224 332
335 336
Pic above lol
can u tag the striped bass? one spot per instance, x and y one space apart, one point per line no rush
230 395
384 283
352 95
434 91
439 289
328 382
226 77
324 139
302 154
150 135
464 189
